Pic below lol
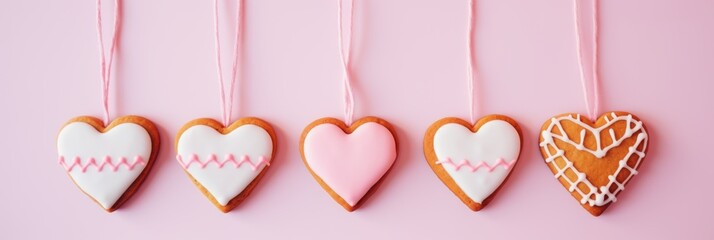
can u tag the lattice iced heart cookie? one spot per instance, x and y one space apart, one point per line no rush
226 163
473 160
349 162
594 161
108 163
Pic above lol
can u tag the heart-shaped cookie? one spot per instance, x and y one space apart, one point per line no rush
108 163
349 162
226 163
473 160
594 161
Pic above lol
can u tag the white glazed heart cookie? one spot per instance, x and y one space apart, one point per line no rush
473 160
108 163
226 163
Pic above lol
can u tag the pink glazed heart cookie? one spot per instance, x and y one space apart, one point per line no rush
349 162
473 160
226 163
108 163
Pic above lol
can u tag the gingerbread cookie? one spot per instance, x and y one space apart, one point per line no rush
473 160
108 163
594 161
226 163
349 162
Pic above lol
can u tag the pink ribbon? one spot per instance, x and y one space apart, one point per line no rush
591 104
106 68
471 60
227 105
345 44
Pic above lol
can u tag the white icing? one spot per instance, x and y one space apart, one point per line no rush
225 183
494 141
126 140
601 193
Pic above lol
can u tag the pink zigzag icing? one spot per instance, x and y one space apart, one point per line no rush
228 159
77 162
466 163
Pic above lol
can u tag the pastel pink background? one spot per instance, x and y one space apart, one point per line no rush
657 62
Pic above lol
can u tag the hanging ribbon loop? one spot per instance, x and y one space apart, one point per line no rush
105 65
592 104
345 45
227 104
471 60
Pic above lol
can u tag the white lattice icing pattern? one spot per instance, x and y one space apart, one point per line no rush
594 195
